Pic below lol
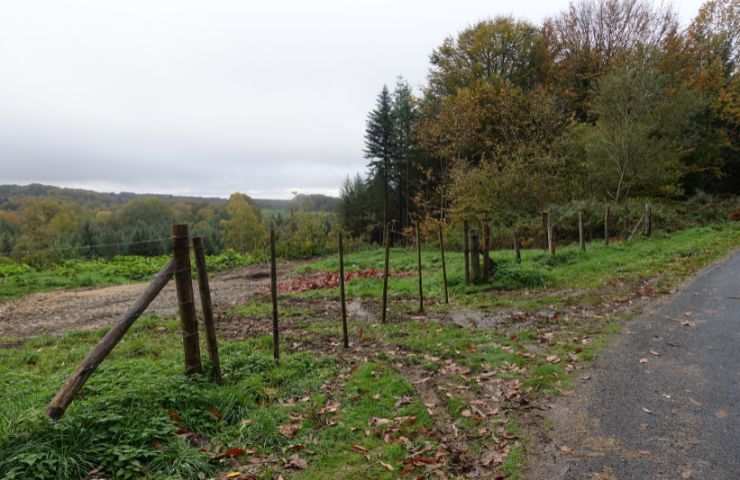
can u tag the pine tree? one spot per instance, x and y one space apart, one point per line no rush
379 137
404 115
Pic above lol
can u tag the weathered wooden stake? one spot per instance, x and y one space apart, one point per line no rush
466 250
475 255
418 262
345 335
606 225
648 220
444 263
550 234
205 300
66 394
487 264
185 301
581 240
517 248
274 295
385 273
545 238
635 228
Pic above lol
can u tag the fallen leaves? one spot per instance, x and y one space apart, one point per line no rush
319 280
295 462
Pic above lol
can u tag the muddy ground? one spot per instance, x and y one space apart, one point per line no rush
56 312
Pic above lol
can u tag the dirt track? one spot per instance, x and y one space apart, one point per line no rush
83 309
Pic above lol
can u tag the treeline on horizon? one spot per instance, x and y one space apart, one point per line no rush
41 224
609 102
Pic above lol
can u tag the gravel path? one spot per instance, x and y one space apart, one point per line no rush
663 401
83 309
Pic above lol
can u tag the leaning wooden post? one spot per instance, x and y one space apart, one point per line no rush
67 393
466 250
274 294
186 304
517 248
475 255
550 239
342 298
648 220
444 263
486 251
606 225
581 241
636 228
418 263
385 272
205 300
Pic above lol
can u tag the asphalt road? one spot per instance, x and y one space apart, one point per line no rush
663 401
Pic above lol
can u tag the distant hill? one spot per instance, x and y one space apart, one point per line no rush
9 194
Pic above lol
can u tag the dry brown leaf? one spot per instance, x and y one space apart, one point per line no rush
387 466
295 462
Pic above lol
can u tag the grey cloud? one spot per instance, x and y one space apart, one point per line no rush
210 97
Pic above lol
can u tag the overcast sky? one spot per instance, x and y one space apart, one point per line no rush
211 97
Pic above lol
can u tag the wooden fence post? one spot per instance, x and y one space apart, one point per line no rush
486 251
205 300
606 225
581 240
342 298
418 262
648 220
385 273
550 234
475 255
517 247
466 250
545 238
186 304
444 263
66 394
274 294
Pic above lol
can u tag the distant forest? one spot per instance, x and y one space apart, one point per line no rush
41 223
609 102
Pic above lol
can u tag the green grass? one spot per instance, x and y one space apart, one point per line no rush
20 279
140 417
671 256
128 418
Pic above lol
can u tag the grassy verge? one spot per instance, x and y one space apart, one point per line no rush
412 398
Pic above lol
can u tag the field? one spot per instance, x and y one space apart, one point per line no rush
21 279
451 391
